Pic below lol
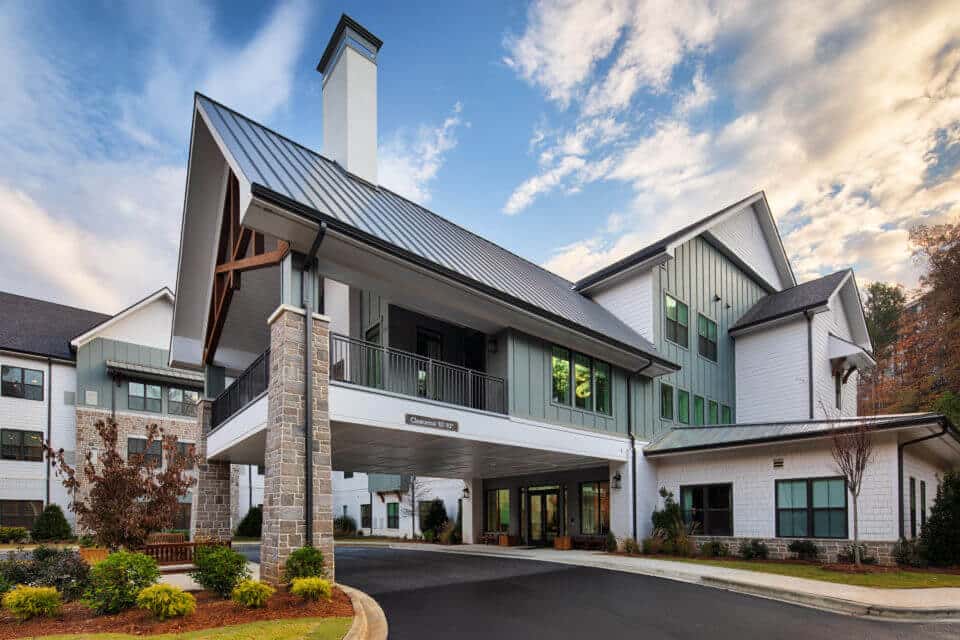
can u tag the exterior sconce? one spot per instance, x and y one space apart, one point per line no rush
466 492
617 480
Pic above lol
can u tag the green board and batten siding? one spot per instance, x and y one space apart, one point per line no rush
92 369
697 274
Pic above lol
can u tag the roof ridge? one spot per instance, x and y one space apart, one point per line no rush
52 303
316 153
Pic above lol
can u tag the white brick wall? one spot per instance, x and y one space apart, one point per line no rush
753 476
771 374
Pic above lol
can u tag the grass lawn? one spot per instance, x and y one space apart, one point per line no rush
288 629
895 579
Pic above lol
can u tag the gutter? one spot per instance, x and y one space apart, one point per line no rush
900 447
306 297
810 359
633 446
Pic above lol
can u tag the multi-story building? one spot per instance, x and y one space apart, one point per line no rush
404 344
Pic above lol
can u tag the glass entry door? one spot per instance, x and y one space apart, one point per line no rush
544 513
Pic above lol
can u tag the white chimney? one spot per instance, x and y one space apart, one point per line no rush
349 68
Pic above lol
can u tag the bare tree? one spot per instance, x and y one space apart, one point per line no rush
852 453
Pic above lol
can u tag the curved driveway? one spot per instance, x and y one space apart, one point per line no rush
429 595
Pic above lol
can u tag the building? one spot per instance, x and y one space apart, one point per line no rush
404 344
66 369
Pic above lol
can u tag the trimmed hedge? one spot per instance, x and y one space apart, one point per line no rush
51 525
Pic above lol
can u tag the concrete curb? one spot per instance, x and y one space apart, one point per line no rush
369 621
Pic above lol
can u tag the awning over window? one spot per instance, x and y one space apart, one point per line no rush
855 355
156 374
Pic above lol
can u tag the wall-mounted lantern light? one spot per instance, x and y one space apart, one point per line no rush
466 492
617 480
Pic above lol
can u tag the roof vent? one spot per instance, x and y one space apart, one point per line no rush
778 463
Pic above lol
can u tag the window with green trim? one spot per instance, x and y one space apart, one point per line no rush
698 410
712 417
666 401
498 510
583 382
683 406
707 337
677 321
726 414
580 380
560 363
393 515
603 399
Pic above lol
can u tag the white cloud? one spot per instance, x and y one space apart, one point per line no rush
408 163
840 105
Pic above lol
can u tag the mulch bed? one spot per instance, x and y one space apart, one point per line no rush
212 611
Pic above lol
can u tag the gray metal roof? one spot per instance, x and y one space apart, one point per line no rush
300 179
712 437
164 374
42 328
802 297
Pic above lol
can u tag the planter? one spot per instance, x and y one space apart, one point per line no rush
93 555
505 540
563 543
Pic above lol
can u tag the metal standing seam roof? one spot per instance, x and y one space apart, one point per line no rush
711 437
301 177
42 328
156 373
802 297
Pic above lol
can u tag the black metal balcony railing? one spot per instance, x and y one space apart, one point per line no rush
372 365
245 388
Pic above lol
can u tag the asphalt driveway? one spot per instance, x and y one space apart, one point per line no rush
437 595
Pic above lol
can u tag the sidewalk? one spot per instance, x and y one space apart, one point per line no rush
905 604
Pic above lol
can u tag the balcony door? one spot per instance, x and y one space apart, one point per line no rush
430 348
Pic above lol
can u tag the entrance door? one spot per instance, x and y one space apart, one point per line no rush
544 515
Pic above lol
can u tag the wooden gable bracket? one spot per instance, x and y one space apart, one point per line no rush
239 249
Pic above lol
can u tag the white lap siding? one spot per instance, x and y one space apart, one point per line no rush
925 469
753 476
772 374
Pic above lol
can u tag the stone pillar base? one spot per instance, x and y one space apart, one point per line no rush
210 512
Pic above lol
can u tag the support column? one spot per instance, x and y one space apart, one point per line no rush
284 494
210 512
472 512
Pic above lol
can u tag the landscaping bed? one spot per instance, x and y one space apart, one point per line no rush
212 612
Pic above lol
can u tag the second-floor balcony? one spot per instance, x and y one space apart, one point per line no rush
375 366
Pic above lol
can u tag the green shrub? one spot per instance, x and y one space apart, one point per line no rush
86 541
166 601
64 570
312 588
910 553
344 526
805 549
668 520
448 533
219 569
428 536
26 602
116 581
252 594
753 550
51 525
12 534
5 586
652 545
610 542
305 562
847 555
940 534
252 524
434 519
14 571
631 547
714 549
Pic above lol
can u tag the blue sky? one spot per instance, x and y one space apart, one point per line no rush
571 133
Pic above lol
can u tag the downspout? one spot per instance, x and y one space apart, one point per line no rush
633 446
249 487
49 422
900 448
810 359
306 296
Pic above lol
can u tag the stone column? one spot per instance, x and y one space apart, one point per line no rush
284 494
210 512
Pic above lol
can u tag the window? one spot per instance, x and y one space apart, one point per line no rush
22 383
583 391
138 446
601 388
707 337
344 511
22 445
430 346
374 364
726 415
19 513
347 475
182 402
666 401
811 508
683 406
143 397
712 417
561 375
913 507
595 508
923 504
365 516
710 507
677 320
698 410
498 510
838 390
393 515
183 450
181 521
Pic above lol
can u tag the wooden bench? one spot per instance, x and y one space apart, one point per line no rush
178 552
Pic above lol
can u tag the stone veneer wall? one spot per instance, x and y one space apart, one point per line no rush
210 515
284 526
829 549
128 425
